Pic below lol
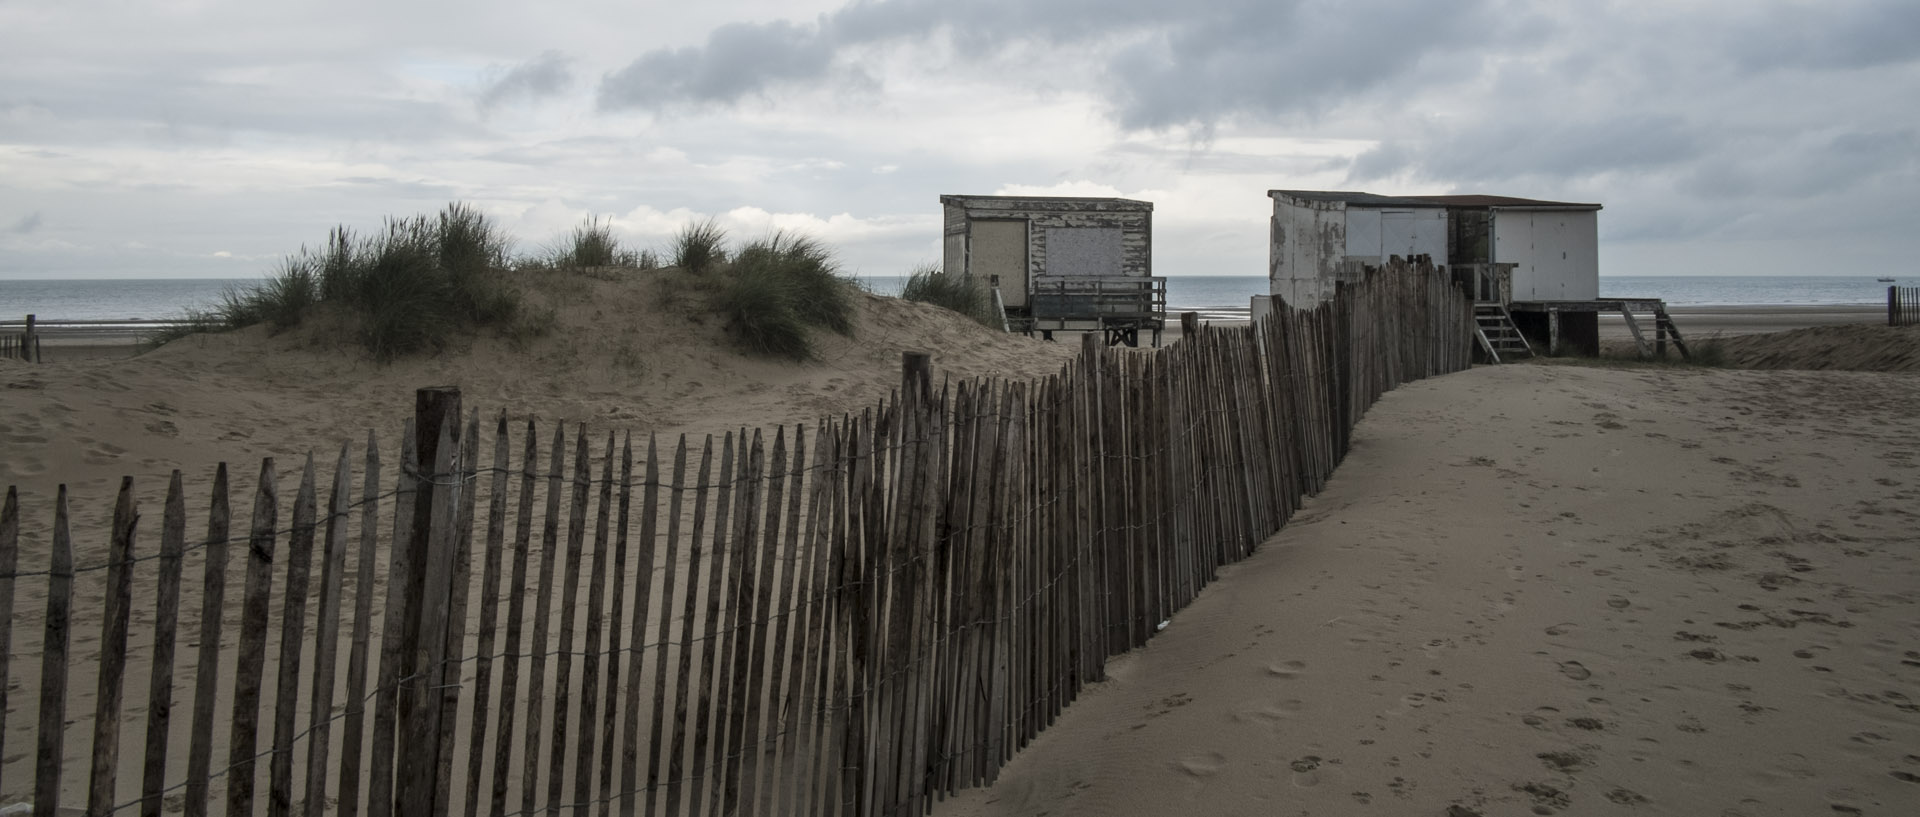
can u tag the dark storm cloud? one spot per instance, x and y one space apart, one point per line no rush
1278 59
743 60
27 224
1840 35
738 60
1501 150
531 81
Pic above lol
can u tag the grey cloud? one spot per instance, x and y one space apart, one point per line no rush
742 60
541 77
1838 35
1158 64
178 107
1492 152
1278 59
739 60
28 223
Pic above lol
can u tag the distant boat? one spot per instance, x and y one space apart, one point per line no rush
1884 280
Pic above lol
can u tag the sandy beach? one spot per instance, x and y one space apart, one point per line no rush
1537 588
1545 589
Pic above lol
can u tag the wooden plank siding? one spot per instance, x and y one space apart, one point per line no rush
1134 219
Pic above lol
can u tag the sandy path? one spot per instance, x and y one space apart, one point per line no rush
1539 589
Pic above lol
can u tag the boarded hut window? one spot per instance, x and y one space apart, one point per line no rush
1084 251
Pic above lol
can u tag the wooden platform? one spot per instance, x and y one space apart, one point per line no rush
1664 329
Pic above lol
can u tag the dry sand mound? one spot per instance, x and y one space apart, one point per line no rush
1856 347
1851 347
623 353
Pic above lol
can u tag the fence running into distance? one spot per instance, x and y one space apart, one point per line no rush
1903 306
852 618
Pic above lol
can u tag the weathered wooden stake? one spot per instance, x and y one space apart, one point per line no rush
53 666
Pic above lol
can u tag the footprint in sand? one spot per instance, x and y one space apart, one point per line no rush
1539 716
1270 714
1566 762
1286 670
1575 670
1204 765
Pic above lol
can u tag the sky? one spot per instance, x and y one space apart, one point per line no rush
208 138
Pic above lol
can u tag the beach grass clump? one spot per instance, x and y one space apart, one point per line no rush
410 287
777 290
593 244
821 296
699 247
960 292
760 305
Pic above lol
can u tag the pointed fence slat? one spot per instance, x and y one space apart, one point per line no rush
206 680
590 652
113 652
10 562
742 692
615 616
542 623
292 631
516 618
756 689
726 541
53 665
392 672
489 619
326 645
681 771
452 656
252 657
633 785
569 604
352 731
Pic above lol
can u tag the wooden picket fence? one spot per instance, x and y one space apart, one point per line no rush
1903 306
852 618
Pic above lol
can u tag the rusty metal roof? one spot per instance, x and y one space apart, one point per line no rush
1049 202
1356 198
1503 201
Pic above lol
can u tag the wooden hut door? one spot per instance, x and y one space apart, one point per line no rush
999 247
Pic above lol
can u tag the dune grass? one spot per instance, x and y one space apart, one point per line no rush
419 283
699 247
962 293
410 287
777 290
593 244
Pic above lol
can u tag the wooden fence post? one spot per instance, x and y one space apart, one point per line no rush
1189 324
423 642
53 666
113 652
250 663
9 561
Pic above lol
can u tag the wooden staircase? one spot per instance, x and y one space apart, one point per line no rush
1664 330
1500 339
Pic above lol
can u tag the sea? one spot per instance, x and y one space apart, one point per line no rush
1216 297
